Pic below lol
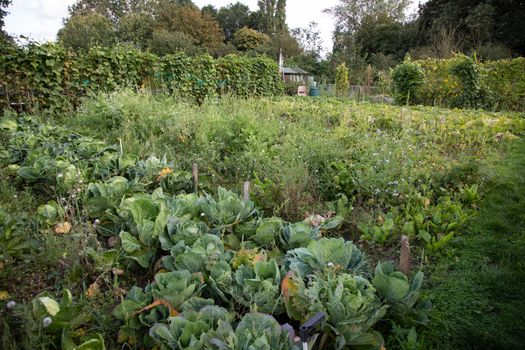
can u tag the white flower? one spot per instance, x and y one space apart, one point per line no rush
330 264
202 214
46 322
96 222
60 175
11 304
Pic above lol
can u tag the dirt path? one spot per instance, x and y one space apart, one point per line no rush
478 292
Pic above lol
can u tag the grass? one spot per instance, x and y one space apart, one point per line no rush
478 293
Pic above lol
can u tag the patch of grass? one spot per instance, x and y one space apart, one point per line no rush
479 293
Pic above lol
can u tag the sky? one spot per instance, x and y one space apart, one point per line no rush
40 20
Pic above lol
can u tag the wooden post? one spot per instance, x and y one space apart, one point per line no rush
246 191
404 259
195 172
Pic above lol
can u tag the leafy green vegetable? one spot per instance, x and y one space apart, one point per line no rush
402 296
326 254
255 331
351 306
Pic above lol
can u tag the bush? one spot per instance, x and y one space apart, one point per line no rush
341 80
407 78
473 93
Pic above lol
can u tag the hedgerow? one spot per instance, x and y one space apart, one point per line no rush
465 82
50 79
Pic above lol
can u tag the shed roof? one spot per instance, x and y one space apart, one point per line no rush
295 70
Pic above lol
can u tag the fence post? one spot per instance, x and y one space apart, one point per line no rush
195 173
246 191
404 259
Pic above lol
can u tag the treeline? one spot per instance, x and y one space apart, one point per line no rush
377 33
169 26
370 37
51 79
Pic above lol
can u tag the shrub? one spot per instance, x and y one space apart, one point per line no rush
407 78
341 80
473 93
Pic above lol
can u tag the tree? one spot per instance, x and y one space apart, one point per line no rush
164 43
137 29
210 10
341 80
201 27
273 16
357 22
3 4
248 39
234 17
4 37
113 10
83 32
350 14
310 39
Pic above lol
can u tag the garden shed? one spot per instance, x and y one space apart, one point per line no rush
296 75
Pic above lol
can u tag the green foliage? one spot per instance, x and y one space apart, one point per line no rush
255 330
246 77
341 80
464 82
51 79
248 39
136 29
327 254
351 306
407 78
473 95
83 32
401 295
63 320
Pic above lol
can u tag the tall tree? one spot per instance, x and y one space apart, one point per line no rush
201 27
273 14
350 14
475 22
136 28
113 10
82 32
3 5
234 17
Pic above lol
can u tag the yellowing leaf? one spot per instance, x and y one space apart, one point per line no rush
50 304
288 286
62 228
92 290
4 295
158 302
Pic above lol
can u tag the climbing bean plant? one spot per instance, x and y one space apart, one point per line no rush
50 79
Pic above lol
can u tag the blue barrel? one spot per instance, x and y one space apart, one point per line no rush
314 91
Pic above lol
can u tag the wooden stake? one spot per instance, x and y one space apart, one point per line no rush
404 259
195 172
246 191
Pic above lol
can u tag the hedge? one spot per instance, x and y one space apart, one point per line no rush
501 83
51 79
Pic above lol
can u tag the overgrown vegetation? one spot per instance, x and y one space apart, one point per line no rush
463 82
133 244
